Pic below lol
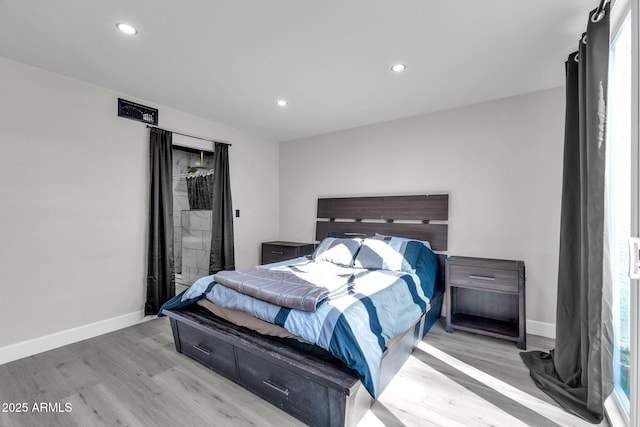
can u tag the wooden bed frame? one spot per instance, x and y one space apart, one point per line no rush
319 391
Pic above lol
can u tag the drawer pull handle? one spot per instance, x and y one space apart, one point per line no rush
202 349
277 252
473 276
275 387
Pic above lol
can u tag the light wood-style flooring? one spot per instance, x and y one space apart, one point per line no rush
134 377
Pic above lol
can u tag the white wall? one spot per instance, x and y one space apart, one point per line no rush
74 197
500 162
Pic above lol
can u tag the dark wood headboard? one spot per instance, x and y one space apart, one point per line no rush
422 217
416 217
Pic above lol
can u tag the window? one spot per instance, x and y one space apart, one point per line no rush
620 204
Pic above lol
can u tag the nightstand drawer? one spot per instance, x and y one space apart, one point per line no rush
281 251
484 278
278 250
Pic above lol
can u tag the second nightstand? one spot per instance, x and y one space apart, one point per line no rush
281 251
486 296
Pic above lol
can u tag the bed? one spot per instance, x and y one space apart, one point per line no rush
325 375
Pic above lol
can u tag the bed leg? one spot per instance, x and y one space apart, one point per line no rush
176 335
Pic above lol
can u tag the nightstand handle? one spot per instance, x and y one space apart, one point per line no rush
277 252
473 276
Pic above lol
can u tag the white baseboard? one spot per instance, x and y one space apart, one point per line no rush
59 339
542 329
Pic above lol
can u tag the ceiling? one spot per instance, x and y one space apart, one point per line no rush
229 61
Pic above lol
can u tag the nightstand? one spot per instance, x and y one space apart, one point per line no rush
486 296
281 251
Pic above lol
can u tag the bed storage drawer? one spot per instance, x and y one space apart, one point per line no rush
311 389
292 392
215 354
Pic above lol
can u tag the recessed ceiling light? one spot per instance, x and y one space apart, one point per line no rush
398 67
127 29
282 102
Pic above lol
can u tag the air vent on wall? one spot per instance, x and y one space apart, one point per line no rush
133 111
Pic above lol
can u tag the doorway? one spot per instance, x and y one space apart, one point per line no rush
188 164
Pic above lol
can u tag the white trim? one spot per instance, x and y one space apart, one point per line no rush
619 11
616 416
542 329
188 142
634 400
59 339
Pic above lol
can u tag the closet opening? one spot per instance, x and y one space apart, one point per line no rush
192 190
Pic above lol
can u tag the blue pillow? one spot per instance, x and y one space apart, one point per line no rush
427 270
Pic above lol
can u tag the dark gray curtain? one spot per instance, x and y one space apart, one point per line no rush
200 191
578 373
160 264
222 253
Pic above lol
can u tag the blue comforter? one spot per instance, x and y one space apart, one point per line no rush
354 327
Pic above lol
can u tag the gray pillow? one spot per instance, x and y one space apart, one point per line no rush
338 251
389 254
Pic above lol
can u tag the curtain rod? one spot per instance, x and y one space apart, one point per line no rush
191 136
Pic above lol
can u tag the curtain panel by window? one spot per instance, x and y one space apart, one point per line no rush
160 264
222 255
578 373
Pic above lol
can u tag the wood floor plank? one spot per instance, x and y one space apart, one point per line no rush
210 400
134 377
98 406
